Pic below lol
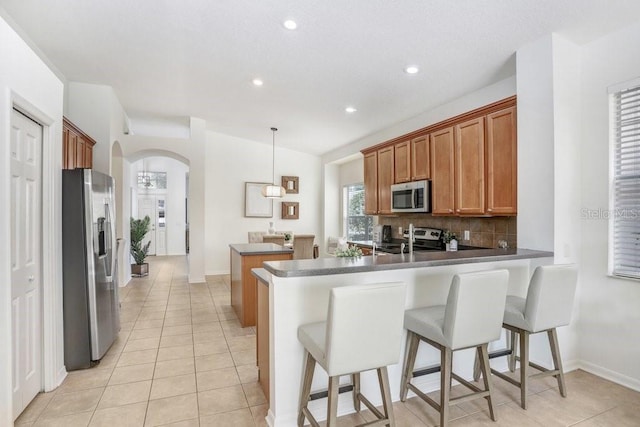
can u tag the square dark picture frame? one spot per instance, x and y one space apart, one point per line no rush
291 184
290 210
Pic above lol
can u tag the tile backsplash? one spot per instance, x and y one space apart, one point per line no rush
483 232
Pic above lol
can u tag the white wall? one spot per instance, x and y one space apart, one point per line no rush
230 163
352 172
174 195
549 163
26 81
468 102
610 314
89 107
332 202
535 145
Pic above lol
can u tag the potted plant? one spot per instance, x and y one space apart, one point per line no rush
349 251
139 229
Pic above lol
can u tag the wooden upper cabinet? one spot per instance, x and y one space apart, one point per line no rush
371 183
385 179
502 158
420 164
77 147
469 167
471 160
402 161
442 172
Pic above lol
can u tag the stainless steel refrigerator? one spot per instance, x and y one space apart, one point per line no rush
90 287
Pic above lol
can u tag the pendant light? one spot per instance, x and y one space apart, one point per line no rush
273 191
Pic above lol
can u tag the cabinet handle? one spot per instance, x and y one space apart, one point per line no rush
458 210
450 210
489 210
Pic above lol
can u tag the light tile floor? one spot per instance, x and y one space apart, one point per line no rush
182 359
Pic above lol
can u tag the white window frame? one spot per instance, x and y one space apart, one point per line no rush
624 212
345 211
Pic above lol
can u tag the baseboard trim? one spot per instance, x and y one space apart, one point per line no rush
217 273
610 375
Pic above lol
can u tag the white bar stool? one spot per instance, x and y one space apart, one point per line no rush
363 331
472 317
548 305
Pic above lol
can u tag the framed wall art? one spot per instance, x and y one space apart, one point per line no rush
255 204
290 210
291 184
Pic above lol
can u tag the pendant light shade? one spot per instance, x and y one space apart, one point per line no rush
273 191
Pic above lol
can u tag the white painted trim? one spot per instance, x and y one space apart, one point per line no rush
217 272
53 372
270 419
623 86
196 279
610 375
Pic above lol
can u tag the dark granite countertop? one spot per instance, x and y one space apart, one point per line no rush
261 274
337 265
259 248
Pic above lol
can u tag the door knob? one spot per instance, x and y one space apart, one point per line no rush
31 278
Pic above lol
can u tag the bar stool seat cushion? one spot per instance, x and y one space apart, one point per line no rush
514 312
313 338
363 330
427 322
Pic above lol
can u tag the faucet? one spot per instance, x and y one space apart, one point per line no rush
373 249
411 238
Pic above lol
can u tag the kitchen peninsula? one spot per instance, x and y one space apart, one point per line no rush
299 294
243 258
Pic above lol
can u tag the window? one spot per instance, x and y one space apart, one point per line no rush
357 225
152 180
625 214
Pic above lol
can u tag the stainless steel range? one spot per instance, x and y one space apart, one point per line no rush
425 239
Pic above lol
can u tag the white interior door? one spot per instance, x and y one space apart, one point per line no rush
147 206
161 226
26 147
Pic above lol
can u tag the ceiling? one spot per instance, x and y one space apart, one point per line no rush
168 60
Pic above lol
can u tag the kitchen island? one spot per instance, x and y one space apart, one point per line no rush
299 294
244 257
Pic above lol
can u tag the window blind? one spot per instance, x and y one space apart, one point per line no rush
626 183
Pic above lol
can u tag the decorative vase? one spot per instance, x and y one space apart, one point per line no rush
453 245
272 228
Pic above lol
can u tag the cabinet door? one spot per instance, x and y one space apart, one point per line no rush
88 155
371 183
469 167
420 158
79 163
402 161
72 146
502 163
65 148
385 179
442 177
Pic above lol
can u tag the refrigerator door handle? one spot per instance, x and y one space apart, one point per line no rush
109 239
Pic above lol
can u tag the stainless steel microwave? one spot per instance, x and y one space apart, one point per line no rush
411 197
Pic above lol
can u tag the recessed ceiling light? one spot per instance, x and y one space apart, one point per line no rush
350 110
290 24
258 82
411 69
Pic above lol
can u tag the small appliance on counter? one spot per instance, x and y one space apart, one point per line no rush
386 234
